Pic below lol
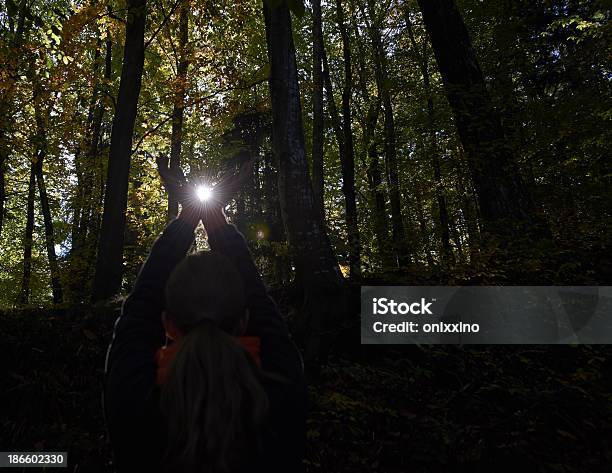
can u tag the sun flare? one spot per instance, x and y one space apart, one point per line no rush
204 193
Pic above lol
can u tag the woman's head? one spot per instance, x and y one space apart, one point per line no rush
213 401
205 285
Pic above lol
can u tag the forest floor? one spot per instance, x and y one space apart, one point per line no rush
381 409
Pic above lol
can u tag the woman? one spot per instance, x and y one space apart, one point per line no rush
227 394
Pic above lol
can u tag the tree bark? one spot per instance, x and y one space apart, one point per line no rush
24 295
423 228
344 137
97 198
82 253
318 182
348 163
41 142
315 262
501 192
331 105
469 206
109 268
422 60
178 111
371 161
375 181
2 185
16 32
274 222
402 255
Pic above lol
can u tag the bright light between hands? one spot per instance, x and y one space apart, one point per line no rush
204 193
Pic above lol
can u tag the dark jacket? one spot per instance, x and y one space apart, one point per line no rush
131 399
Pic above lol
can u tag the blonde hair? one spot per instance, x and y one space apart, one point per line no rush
214 404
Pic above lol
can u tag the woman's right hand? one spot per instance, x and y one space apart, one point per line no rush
212 210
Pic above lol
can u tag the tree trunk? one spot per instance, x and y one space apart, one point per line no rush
315 262
422 60
41 142
402 255
377 195
274 222
423 229
331 104
501 192
2 184
318 182
97 198
348 163
24 295
109 268
178 110
17 27
372 161
469 206
344 137
81 252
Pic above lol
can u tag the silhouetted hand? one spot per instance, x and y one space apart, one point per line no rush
229 184
212 212
174 180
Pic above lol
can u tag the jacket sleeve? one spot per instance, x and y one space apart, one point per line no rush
278 353
130 364
139 330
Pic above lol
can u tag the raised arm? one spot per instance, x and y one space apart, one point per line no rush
139 331
279 353
130 365
264 318
147 298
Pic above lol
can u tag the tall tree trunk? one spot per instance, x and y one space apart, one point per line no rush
382 83
24 295
375 181
272 210
41 142
17 27
56 285
469 206
2 184
315 262
97 198
178 110
318 182
423 228
371 161
422 60
4 153
334 115
346 153
501 192
87 170
109 268
348 163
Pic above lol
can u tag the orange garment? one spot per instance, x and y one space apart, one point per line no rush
166 354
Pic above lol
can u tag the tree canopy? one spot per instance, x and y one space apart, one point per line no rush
431 141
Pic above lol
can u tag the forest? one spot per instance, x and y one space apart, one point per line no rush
402 142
